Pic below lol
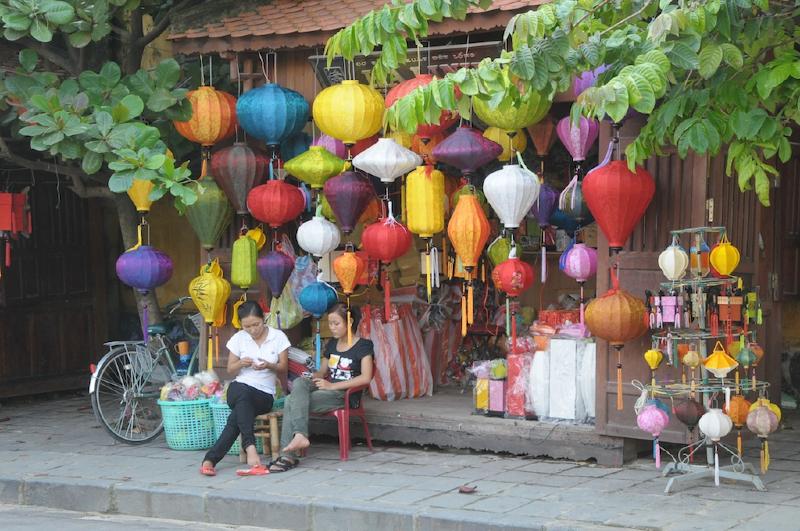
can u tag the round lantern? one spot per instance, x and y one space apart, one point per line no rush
139 192
211 214
425 201
580 262
715 424
766 403
144 268
275 267
272 113
349 267
673 262
579 137
511 191
317 298
467 149
513 277
318 236
349 111
446 118
237 169
545 205
387 160
763 421
747 358
296 144
689 412
213 117
724 257
737 410
386 240
499 250
513 142
243 262
618 198
653 420
510 115
349 194
315 166
276 202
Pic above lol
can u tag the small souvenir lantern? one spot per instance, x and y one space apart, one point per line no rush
210 292
511 191
653 357
349 194
724 257
673 261
318 236
719 363
652 419
512 277
425 205
211 214
715 425
348 268
737 410
762 421
699 264
317 298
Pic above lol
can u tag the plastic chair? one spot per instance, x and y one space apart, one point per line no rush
343 415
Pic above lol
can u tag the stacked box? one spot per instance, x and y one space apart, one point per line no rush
518 384
497 396
480 395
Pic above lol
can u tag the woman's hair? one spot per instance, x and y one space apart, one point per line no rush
250 309
340 309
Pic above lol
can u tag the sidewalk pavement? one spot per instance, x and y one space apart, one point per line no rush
54 454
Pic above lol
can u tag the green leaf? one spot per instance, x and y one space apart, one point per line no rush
709 60
747 124
522 63
617 108
17 22
657 57
104 122
40 31
762 187
155 162
80 39
682 56
784 150
160 100
57 12
119 182
732 55
110 74
32 130
128 108
92 162
28 59
168 73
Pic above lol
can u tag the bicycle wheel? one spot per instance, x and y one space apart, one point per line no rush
128 385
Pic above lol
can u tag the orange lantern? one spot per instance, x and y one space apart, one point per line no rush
738 410
468 230
617 316
423 146
213 117
349 267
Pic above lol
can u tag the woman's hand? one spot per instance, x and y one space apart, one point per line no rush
262 366
322 384
246 362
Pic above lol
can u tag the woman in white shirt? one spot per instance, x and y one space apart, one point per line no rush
257 354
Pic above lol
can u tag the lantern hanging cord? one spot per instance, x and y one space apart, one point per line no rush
211 70
202 72
263 66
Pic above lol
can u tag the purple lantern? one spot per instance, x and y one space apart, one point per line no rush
580 262
577 138
349 194
275 267
545 205
237 169
586 79
144 268
467 149
333 145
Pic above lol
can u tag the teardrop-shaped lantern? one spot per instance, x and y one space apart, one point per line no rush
272 113
348 268
580 262
213 116
318 236
510 115
689 412
144 268
275 267
737 410
425 201
139 192
211 214
468 230
317 298
512 142
209 292
499 250
296 144
349 111
543 135
715 424
618 198
276 202
446 118
387 160
579 137
349 194
543 208
511 191
237 169
724 257
673 262
315 166
467 149
243 262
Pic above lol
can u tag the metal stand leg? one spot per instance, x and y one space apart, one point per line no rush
682 471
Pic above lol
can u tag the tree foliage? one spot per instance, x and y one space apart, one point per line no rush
711 76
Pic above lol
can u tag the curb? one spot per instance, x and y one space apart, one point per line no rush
283 512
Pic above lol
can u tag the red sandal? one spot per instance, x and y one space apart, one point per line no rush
258 470
208 470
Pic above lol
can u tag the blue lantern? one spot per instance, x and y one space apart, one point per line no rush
272 113
563 221
316 299
295 145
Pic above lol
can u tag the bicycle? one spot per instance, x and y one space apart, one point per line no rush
126 383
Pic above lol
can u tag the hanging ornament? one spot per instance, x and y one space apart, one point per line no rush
258 236
689 412
318 236
499 250
763 421
446 118
580 263
724 257
275 267
276 202
349 194
210 292
572 204
511 115
673 261
349 111
296 144
514 142
213 117
424 147
243 262
139 192
653 420
425 205
512 277
211 214
349 267
747 358
317 298
544 207
738 410
272 113
511 191
715 425
579 137
543 135
315 166
618 198
467 149
719 363
387 160
237 169
144 268
653 358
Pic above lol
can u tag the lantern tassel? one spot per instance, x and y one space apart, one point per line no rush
463 312
145 321
349 325
619 387
216 344
508 317
428 272
8 252
544 263
514 331
318 346
765 458
470 301
657 451
210 353
739 442
278 318
716 465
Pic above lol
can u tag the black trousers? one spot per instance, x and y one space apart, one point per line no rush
246 404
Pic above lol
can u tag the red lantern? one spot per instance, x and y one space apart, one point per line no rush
15 219
386 240
618 198
513 276
237 169
446 118
363 144
276 202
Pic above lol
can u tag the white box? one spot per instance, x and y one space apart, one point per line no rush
564 394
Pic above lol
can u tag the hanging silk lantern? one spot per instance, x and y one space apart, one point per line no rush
446 118
243 262
511 191
580 262
237 169
402 138
499 250
467 149
763 421
653 420
210 292
211 214
318 236
276 202
349 268
144 268
386 160
425 205
349 111
715 424
747 358
571 202
719 363
699 263
673 261
543 135
618 198
586 79
334 146
543 208
296 144
424 147
578 138
349 194
317 298
724 257
513 142
315 166
513 277
139 192
689 412
213 117
617 316
765 402
738 410
386 240
275 267
510 115
258 236
468 189
272 113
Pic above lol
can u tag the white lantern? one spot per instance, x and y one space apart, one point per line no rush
511 191
387 160
318 236
715 424
673 262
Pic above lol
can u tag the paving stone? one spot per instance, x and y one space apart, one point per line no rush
468 473
272 511
452 500
435 519
589 471
407 496
531 492
10 490
532 478
547 467
497 504
332 516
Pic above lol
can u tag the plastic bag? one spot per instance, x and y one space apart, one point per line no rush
285 312
304 273
539 397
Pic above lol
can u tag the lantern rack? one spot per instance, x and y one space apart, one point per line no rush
694 230
700 283
675 389
685 334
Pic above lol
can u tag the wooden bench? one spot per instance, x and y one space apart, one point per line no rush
266 429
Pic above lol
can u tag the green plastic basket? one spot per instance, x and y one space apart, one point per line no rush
188 425
221 412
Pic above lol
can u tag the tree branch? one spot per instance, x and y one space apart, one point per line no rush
162 24
55 58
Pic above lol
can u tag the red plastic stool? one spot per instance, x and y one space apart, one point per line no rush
343 415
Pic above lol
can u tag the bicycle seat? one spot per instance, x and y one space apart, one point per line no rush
154 329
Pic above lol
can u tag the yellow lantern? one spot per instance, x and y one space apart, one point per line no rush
210 293
509 115
349 111
424 207
765 402
719 363
139 192
402 138
243 262
724 257
653 357
258 236
510 142
315 166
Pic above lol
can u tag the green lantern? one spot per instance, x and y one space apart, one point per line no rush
499 250
243 262
471 190
315 166
210 214
530 108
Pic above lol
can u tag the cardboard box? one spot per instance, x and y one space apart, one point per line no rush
480 395
497 396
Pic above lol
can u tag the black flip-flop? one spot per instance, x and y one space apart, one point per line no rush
282 464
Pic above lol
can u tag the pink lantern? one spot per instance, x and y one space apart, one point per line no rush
581 262
652 419
578 138
586 79
338 148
